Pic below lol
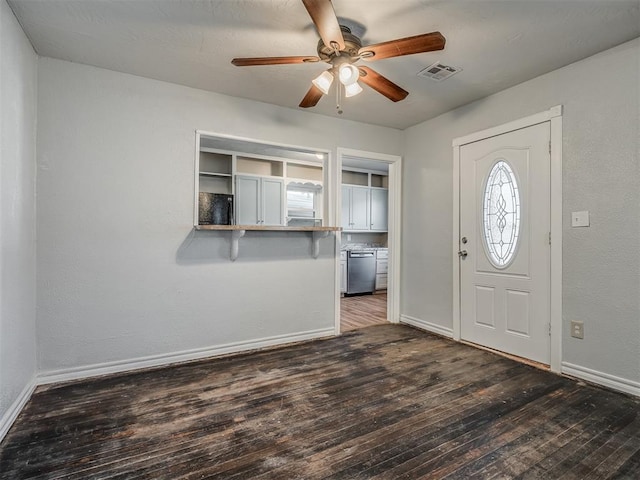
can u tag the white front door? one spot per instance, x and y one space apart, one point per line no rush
505 242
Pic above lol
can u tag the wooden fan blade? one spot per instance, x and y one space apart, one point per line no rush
324 17
312 97
427 42
382 84
248 62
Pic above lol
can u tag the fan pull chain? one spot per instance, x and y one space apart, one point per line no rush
338 91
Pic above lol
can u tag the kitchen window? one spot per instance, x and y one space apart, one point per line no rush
302 204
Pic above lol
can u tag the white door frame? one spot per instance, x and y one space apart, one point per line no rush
393 235
554 117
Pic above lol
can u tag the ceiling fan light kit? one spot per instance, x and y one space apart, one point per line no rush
349 74
341 49
323 81
352 90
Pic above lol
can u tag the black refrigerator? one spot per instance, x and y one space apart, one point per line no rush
215 209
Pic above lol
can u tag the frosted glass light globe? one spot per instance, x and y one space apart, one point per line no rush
349 74
323 82
351 90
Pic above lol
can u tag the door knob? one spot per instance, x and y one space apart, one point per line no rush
462 254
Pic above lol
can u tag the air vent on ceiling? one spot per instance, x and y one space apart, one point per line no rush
438 72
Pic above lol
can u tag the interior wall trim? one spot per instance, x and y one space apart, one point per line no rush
16 407
606 380
428 326
78 373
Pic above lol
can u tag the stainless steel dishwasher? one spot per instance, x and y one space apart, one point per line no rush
361 271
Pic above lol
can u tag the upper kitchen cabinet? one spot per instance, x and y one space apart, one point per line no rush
365 197
379 209
259 191
355 208
259 200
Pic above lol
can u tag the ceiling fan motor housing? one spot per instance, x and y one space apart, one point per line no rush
350 51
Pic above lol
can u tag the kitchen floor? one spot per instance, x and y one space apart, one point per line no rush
361 311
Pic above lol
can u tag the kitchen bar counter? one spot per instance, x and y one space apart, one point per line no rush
238 231
267 228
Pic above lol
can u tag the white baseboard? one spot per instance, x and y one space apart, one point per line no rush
428 326
604 379
16 407
77 373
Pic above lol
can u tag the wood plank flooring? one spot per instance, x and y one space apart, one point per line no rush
384 402
361 311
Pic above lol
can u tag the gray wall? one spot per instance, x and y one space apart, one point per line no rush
121 274
601 264
18 81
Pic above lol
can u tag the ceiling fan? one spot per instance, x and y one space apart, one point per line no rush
341 49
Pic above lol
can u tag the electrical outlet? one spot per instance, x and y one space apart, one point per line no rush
577 329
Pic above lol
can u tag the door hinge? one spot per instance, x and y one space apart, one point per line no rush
549 147
549 329
549 238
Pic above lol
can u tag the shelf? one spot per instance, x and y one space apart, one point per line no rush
238 231
214 174
259 166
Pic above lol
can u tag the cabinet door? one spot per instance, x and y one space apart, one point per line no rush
379 209
343 277
346 211
247 200
359 208
382 266
381 281
272 201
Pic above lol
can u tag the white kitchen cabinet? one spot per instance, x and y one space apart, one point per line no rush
343 272
346 208
365 198
355 208
381 281
259 200
382 268
247 200
379 209
272 201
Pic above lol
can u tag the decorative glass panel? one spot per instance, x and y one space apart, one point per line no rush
501 214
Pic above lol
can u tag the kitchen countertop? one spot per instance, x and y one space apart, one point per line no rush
361 248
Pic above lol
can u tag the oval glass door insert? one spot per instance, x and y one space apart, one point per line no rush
501 214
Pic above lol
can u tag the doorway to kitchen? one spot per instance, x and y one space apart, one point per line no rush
368 206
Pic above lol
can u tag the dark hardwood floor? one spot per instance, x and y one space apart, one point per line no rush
385 402
361 311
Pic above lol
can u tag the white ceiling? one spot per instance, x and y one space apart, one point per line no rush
497 43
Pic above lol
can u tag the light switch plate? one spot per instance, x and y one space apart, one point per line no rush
580 219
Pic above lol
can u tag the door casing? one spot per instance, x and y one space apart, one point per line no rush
554 117
394 225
